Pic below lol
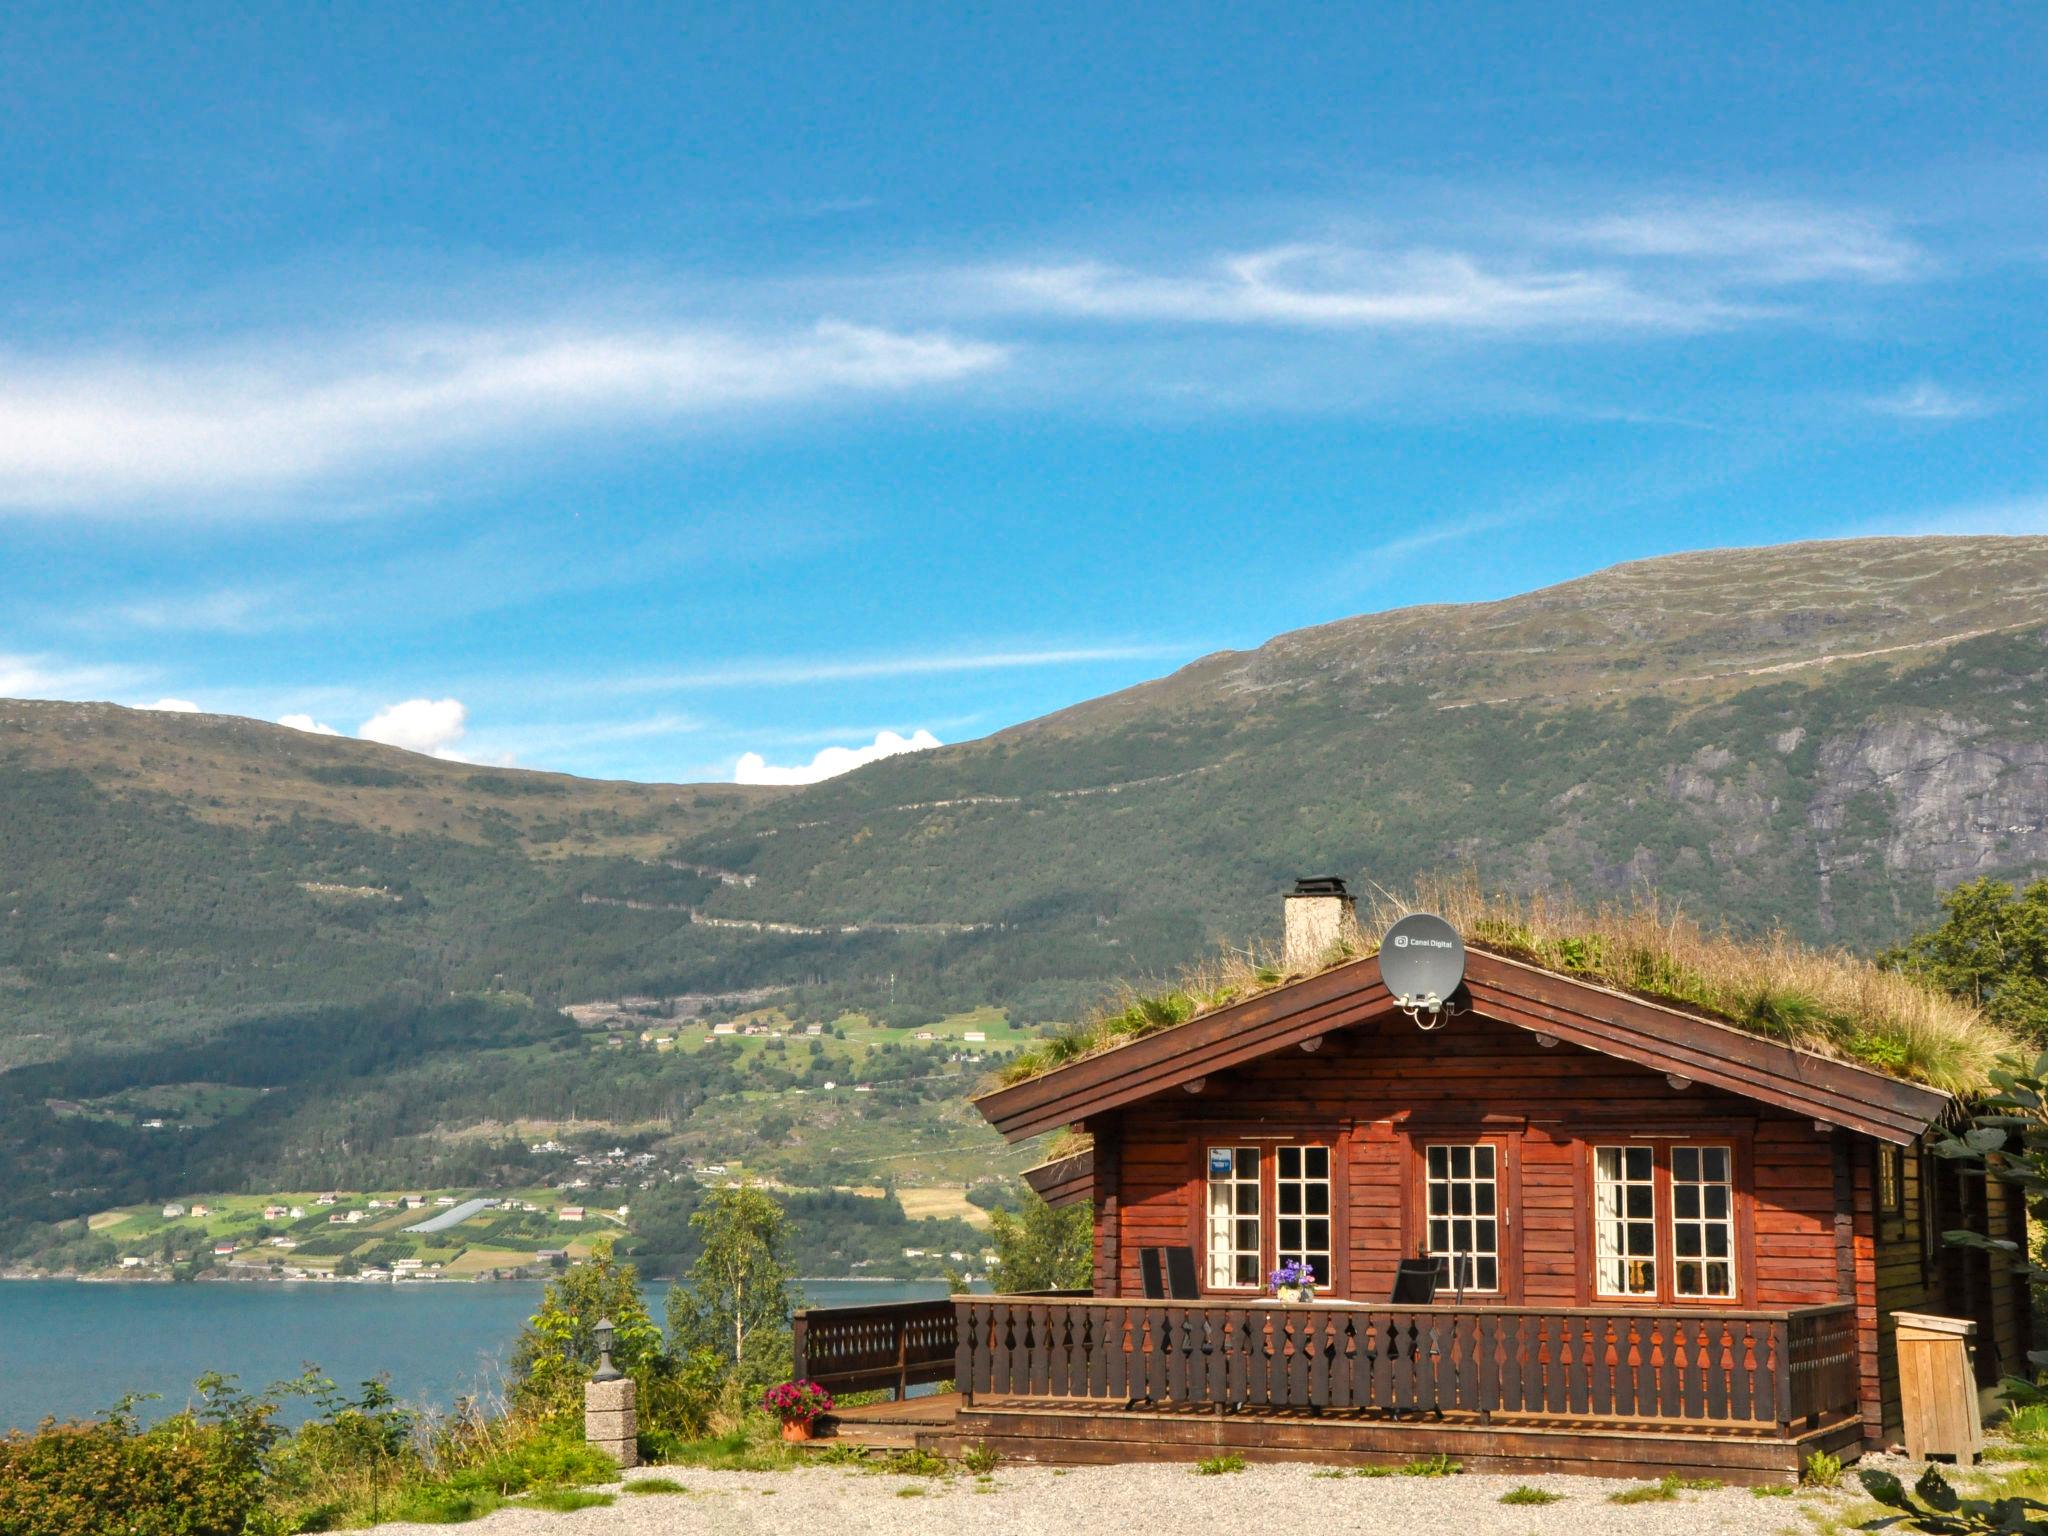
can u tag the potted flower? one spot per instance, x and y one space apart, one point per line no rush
798 1404
1294 1281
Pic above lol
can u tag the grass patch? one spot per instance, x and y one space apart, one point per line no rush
1774 1490
910 1491
737 1451
1218 1466
1527 1495
2028 1425
1828 1001
1438 1465
914 1463
655 1485
564 1501
1648 1493
1664 1490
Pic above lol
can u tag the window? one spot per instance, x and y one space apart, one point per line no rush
1702 1222
1301 1202
1891 1181
1234 1217
1664 1222
1625 1221
1461 1189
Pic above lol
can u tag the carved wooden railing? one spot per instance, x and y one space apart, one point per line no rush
895 1344
1689 1366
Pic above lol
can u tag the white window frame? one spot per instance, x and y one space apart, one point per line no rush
1225 1218
1305 1185
1702 1223
1610 1211
1479 1191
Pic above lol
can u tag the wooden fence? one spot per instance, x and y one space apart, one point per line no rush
1783 1369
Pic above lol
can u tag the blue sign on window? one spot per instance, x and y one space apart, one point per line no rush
1219 1159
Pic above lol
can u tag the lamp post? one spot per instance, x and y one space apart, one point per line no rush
606 1371
611 1418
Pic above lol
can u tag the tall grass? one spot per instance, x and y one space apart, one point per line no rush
1824 1000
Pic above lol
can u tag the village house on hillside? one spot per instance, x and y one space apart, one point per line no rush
1551 1224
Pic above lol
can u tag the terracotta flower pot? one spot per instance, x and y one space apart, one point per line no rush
796 1429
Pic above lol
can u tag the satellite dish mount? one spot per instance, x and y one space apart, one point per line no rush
1422 962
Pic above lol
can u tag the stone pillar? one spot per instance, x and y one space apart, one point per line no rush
611 1419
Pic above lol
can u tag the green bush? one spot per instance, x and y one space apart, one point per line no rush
86 1479
1217 1466
1822 1470
1528 1495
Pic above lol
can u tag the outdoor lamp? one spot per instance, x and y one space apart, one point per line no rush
606 1371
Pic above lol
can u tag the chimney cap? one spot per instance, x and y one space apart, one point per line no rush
1319 885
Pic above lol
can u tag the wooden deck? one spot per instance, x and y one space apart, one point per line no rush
1062 1432
1745 1396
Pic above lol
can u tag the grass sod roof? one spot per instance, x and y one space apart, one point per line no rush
1830 1002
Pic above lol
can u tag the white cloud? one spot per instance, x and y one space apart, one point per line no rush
116 428
432 726
772 674
1926 401
1763 241
309 724
1353 288
832 761
227 611
1665 267
173 706
37 676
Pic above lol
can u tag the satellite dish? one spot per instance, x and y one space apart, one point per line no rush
1422 962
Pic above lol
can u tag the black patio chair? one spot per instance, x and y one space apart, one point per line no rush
1414 1283
1152 1271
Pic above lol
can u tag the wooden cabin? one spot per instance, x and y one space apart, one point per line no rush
1662 1243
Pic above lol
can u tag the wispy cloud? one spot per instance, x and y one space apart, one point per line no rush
1761 242
1336 287
798 672
230 611
1927 401
43 676
1662 267
118 428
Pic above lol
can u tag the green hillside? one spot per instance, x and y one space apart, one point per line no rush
350 960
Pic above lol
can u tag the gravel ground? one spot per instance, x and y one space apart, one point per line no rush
1168 1499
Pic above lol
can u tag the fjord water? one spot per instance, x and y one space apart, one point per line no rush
69 1349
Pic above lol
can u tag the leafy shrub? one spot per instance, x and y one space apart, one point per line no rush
1934 1507
1822 1470
1217 1466
85 1479
980 1459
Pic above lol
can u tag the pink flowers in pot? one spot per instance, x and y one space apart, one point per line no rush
797 1402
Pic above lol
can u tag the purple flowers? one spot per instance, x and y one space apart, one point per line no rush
1295 1272
797 1402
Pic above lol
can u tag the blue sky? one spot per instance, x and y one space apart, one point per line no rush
664 391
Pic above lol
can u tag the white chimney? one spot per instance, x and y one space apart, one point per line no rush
1321 914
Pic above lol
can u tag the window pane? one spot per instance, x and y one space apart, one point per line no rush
1233 1209
1624 1231
1701 1230
1460 1186
1302 1185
